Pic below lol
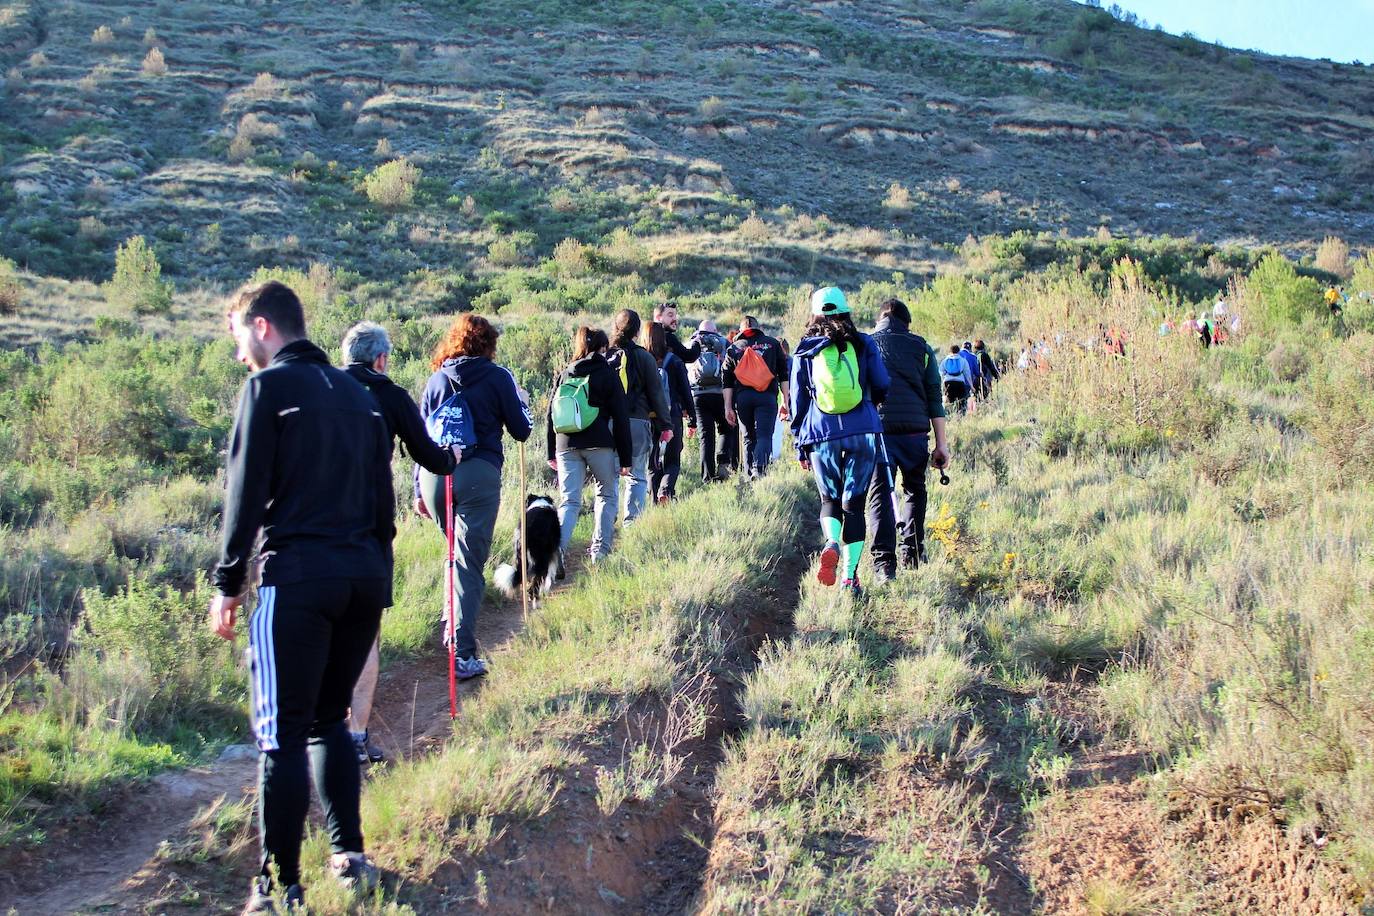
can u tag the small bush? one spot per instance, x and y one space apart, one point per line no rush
11 293
1282 296
391 185
137 285
1287 361
898 198
383 149
1333 256
711 108
103 36
188 670
150 39
1341 413
572 258
154 63
241 149
253 127
754 229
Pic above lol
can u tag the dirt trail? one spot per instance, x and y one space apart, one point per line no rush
113 865
646 857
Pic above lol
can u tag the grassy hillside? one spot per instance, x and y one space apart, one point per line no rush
234 135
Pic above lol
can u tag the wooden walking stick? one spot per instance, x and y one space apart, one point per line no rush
524 543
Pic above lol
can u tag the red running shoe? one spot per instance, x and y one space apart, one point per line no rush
830 559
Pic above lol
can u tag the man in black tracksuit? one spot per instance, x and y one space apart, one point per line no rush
366 350
309 465
912 408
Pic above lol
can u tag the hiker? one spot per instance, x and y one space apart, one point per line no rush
707 377
588 432
665 313
309 466
837 379
462 362
754 369
1023 359
986 366
1335 301
366 350
646 399
1204 330
957 379
668 467
910 411
975 370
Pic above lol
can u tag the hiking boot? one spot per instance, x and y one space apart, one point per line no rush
468 668
913 557
262 899
367 751
853 587
663 500
829 559
355 872
883 573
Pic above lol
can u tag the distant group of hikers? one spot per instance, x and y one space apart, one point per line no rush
309 504
968 373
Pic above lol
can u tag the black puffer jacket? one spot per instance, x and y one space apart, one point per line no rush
915 396
611 428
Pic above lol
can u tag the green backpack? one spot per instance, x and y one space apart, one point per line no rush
835 377
572 412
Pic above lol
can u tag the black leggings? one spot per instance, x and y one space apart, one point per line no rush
308 642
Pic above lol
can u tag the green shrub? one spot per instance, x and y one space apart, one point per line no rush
1340 416
190 671
1279 295
391 185
137 285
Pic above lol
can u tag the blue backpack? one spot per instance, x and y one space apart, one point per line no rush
451 423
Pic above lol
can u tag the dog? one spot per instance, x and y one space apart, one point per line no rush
542 559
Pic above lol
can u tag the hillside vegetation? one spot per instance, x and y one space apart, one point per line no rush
1134 677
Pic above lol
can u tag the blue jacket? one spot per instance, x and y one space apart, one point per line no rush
975 371
490 392
810 424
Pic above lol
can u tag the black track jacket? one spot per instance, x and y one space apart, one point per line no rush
309 464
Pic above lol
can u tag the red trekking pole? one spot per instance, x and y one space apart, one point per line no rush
450 624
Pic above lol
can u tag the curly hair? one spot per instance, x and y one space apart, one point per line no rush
838 328
469 335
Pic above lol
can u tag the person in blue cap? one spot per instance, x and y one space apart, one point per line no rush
837 382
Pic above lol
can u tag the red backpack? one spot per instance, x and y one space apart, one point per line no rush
753 371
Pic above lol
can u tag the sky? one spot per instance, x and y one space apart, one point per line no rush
1342 30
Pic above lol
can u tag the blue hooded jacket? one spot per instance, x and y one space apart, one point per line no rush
490 392
810 424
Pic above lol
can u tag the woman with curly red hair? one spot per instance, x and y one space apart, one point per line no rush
463 362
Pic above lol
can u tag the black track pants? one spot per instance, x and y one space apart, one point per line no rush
909 455
307 644
718 438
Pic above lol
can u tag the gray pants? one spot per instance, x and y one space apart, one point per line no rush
573 465
641 447
476 499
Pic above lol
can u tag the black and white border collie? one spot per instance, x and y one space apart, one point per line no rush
541 523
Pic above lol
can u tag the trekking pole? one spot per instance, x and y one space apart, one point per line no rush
451 624
524 544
